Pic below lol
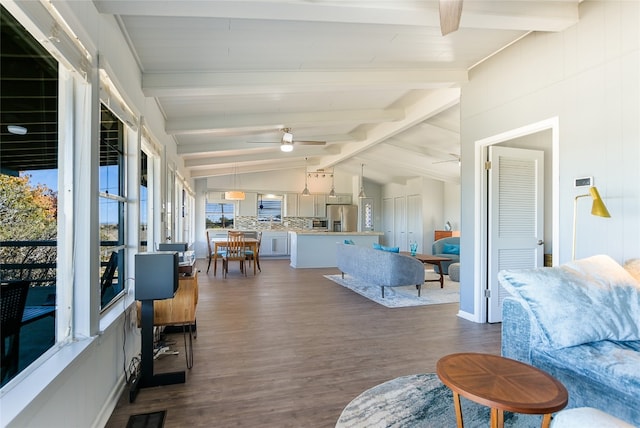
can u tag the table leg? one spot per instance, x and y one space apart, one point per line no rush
458 407
215 259
441 274
546 420
497 418
255 258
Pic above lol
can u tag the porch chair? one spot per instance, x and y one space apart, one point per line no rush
235 251
13 298
212 255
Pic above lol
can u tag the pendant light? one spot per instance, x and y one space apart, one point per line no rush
332 193
235 195
305 192
362 194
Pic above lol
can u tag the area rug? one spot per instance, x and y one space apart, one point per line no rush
400 297
420 400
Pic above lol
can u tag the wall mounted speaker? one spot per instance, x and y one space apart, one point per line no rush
156 275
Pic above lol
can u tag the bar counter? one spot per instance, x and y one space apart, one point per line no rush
317 249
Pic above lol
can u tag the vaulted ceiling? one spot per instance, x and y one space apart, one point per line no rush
376 80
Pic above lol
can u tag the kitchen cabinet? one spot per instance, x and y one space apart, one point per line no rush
340 199
297 205
274 244
290 205
248 206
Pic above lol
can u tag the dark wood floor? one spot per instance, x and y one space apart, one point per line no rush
289 348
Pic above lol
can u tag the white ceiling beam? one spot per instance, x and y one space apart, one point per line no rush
283 82
508 15
430 105
252 122
275 155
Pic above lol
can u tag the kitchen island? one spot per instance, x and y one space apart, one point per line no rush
317 249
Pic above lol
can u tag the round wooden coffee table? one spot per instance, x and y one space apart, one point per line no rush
501 384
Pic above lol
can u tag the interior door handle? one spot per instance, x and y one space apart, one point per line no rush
540 242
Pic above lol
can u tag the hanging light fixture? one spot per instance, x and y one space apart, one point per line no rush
332 193
235 195
305 192
362 194
287 141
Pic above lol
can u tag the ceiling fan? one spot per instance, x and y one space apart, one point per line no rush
287 141
450 12
455 156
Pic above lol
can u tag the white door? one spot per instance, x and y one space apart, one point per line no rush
400 223
387 221
516 215
414 221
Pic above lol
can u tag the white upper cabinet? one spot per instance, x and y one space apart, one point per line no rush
249 206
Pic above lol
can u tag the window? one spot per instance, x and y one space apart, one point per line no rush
29 183
219 215
144 201
269 208
112 206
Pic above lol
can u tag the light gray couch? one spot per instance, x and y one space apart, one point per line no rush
378 267
580 322
438 249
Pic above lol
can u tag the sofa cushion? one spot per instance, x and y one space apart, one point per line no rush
610 363
451 249
579 302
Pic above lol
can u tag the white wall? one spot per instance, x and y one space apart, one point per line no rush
588 77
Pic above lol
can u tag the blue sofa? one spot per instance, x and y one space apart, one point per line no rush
378 267
580 322
446 247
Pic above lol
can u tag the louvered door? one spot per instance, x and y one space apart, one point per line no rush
516 215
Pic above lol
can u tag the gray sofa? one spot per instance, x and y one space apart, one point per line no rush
379 268
580 322
438 249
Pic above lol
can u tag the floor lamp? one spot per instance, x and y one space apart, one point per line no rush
598 208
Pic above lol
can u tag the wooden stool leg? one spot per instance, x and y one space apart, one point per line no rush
497 418
546 420
458 407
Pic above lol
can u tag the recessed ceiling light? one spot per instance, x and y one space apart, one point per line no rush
17 129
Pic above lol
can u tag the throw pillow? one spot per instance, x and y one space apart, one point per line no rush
451 249
391 249
349 242
584 301
377 246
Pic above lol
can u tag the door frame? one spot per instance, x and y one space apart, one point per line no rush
480 250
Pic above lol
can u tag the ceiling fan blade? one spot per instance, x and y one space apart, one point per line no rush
310 143
450 13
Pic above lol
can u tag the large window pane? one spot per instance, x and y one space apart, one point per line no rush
28 189
219 215
112 205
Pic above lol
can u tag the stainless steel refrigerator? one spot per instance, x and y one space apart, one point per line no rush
342 218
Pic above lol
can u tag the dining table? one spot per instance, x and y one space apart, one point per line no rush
221 243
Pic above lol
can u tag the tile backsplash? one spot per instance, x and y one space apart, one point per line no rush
252 223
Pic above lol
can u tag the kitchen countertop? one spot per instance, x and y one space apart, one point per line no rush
329 233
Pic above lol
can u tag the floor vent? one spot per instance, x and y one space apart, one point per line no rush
147 420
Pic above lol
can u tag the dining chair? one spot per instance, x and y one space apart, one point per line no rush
13 298
212 254
235 251
249 253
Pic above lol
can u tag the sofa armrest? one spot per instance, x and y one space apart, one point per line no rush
517 331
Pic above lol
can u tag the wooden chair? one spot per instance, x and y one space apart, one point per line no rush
235 251
13 299
249 253
212 255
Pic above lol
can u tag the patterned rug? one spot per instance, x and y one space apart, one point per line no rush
420 401
400 297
